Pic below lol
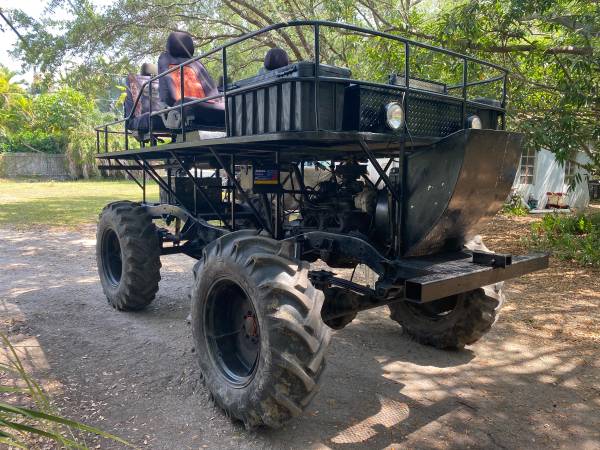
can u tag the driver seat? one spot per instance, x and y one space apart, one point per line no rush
197 84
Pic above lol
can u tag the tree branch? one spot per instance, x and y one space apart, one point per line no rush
267 20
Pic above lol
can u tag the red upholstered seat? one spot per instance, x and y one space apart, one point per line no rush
197 84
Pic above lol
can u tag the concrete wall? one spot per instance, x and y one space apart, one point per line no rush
33 164
549 176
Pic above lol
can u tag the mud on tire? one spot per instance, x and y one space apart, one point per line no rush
128 255
252 283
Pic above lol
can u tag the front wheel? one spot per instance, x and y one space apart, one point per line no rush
128 255
257 327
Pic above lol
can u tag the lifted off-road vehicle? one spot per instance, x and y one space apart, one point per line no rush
263 176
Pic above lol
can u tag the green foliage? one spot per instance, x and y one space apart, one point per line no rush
514 206
15 106
553 51
575 238
58 121
32 140
71 116
63 111
19 424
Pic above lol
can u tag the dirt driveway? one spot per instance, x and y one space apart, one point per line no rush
533 382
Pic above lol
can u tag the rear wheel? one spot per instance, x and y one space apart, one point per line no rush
128 255
454 321
451 322
259 337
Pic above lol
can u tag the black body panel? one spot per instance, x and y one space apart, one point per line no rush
284 100
455 186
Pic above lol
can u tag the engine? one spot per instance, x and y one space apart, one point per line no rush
342 204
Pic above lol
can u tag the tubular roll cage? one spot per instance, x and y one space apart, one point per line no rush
316 26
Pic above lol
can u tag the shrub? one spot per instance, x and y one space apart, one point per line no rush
514 206
32 141
571 237
57 121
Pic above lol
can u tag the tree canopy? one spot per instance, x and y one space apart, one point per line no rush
551 47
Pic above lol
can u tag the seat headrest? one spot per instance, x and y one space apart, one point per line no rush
180 45
220 83
276 58
149 70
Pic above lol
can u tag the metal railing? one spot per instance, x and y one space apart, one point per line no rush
316 26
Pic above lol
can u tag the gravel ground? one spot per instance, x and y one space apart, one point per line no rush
532 382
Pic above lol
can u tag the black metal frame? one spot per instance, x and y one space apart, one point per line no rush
252 148
416 279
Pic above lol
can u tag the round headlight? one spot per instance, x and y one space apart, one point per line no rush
394 115
474 122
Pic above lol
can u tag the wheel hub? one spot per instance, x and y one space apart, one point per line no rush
112 263
232 332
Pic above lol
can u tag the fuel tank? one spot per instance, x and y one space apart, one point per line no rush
454 187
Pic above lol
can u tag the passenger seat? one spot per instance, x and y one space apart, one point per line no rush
276 58
139 120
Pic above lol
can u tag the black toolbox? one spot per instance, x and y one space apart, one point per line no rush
284 100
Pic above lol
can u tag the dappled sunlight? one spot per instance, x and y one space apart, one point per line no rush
16 292
28 349
84 242
86 280
531 382
29 352
390 414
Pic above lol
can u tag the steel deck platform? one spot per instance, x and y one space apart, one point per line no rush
292 145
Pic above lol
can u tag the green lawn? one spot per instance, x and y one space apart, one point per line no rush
25 202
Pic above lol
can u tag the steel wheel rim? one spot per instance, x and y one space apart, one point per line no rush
112 262
232 332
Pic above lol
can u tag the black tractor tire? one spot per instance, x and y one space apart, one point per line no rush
277 378
128 255
452 322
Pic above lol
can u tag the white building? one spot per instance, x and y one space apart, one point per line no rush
540 173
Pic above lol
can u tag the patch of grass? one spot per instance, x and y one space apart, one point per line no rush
575 238
29 202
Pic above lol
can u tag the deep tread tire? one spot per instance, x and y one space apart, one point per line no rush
293 337
140 255
473 315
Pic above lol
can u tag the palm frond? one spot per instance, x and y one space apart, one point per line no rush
40 421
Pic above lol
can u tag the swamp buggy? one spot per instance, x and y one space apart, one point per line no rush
263 176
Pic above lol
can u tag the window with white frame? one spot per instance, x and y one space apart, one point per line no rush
527 166
570 172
